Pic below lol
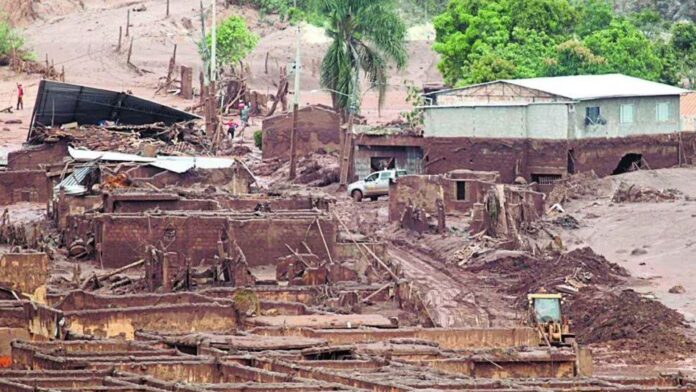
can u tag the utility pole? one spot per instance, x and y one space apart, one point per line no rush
296 102
213 51
347 148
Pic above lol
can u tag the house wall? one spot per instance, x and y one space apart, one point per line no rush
24 186
122 239
536 121
644 118
526 157
318 129
35 157
510 157
424 190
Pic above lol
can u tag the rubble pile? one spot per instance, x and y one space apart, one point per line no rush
573 187
630 322
179 139
626 193
568 273
313 170
623 321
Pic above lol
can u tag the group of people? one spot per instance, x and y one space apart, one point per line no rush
232 126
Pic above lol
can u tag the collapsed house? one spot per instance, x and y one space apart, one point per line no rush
545 128
422 202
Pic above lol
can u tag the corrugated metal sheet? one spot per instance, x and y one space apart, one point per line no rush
61 103
72 184
174 164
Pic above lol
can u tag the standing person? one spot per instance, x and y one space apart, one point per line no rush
244 118
244 115
231 129
20 96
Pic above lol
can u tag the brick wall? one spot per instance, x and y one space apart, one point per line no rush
24 186
122 239
34 156
423 191
529 157
318 128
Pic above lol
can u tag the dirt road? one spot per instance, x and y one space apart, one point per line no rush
445 290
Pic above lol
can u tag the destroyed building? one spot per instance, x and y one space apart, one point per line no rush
318 130
545 128
382 148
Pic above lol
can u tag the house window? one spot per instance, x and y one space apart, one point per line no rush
626 114
592 115
545 179
662 112
461 190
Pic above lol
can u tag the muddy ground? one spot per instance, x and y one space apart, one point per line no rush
639 250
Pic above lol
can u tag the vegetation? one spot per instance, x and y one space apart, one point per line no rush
415 98
366 35
234 42
413 11
258 139
484 40
10 39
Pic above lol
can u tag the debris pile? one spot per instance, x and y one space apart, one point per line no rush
573 187
630 322
567 273
626 193
179 139
314 170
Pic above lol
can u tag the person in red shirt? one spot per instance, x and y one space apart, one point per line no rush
20 96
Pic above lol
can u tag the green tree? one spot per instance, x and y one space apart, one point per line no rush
10 39
573 57
593 15
509 37
483 40
234 42
366 35
626 50
683 44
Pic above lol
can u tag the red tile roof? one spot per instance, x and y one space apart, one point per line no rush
687 106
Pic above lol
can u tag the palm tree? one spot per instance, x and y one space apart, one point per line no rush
366 35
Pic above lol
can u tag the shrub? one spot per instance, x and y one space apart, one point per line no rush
258 139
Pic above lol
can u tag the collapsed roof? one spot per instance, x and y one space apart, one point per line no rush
61 103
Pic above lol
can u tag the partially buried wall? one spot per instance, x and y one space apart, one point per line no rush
318 129
457 194
24 186
34 157
543 161
121 239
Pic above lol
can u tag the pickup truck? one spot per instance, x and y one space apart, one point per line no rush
374 185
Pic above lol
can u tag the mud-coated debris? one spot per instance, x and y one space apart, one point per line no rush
567 222
628 321
678 289
636 194
638 252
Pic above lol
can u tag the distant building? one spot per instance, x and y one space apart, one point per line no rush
544 128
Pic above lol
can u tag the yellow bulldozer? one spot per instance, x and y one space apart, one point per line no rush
545 315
